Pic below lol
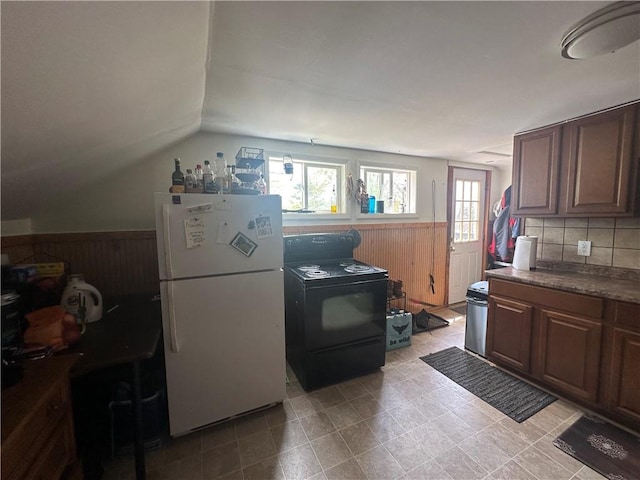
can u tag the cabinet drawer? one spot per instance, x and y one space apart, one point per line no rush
19 451
55 456
574 303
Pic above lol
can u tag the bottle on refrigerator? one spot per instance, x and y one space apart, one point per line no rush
207 178
235 182
220 172
190 185
177 178
262 185
198 174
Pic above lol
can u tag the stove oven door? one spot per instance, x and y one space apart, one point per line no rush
344 313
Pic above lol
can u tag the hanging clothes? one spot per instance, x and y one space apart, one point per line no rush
505 230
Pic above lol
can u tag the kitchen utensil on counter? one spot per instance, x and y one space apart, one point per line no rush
78 294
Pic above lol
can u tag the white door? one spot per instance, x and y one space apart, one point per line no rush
467 231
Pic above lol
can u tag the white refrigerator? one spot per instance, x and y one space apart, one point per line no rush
222 292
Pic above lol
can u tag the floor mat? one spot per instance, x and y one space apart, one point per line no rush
423 321
512 396
603 447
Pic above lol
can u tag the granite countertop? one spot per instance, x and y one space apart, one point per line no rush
616 287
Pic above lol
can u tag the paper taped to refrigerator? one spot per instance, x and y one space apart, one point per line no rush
194 232
224 233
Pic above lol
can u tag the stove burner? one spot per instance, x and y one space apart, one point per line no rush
346 264
306 268
357 268
315 273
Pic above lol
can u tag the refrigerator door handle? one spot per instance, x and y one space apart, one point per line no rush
166 233
173 327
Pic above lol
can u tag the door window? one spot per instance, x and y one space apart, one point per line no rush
466 226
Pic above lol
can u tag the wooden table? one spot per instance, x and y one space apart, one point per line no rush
126 334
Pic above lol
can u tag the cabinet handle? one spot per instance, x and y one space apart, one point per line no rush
52 408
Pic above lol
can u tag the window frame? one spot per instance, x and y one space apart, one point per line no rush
412 173
340 166
467 202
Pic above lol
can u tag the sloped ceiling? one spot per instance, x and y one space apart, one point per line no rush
89 88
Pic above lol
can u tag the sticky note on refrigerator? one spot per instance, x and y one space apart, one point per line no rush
224 233
194 232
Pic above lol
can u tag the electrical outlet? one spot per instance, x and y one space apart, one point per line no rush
584 248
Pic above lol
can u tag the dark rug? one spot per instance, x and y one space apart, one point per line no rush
510 395
424 322
605 448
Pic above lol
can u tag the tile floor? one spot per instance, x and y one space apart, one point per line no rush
406 421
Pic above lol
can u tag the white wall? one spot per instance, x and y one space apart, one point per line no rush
125 201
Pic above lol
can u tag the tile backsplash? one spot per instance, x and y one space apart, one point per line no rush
615 242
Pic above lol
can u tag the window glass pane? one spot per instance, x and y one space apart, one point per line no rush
385 192
321 183
391 186
475 191
467 190
310 187
458 211
398 200
473 231
473 215
290 187
459 189
373 183
457 236
465 231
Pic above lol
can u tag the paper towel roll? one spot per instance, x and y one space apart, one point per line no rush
524 256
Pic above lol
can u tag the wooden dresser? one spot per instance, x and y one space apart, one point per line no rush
37 423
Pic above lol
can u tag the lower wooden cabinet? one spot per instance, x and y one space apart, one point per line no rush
509 332
570 353
37 423
583 347
624 386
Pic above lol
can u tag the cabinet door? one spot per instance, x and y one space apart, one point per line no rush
509 332
599 164
570 353
536 170
624 377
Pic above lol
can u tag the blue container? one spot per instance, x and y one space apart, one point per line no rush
372 204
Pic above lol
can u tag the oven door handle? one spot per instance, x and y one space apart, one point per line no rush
348 284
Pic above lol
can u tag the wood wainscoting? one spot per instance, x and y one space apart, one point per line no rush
119 263
405 250
116 263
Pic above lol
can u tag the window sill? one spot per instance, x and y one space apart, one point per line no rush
305 217
386 216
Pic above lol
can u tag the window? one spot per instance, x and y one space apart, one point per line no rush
467 211
395 187
311 187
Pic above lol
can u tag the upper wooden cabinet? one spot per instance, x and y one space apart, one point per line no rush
584 167
536 172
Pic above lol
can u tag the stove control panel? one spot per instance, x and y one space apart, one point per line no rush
314 246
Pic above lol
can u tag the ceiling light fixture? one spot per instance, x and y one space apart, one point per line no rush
604 31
